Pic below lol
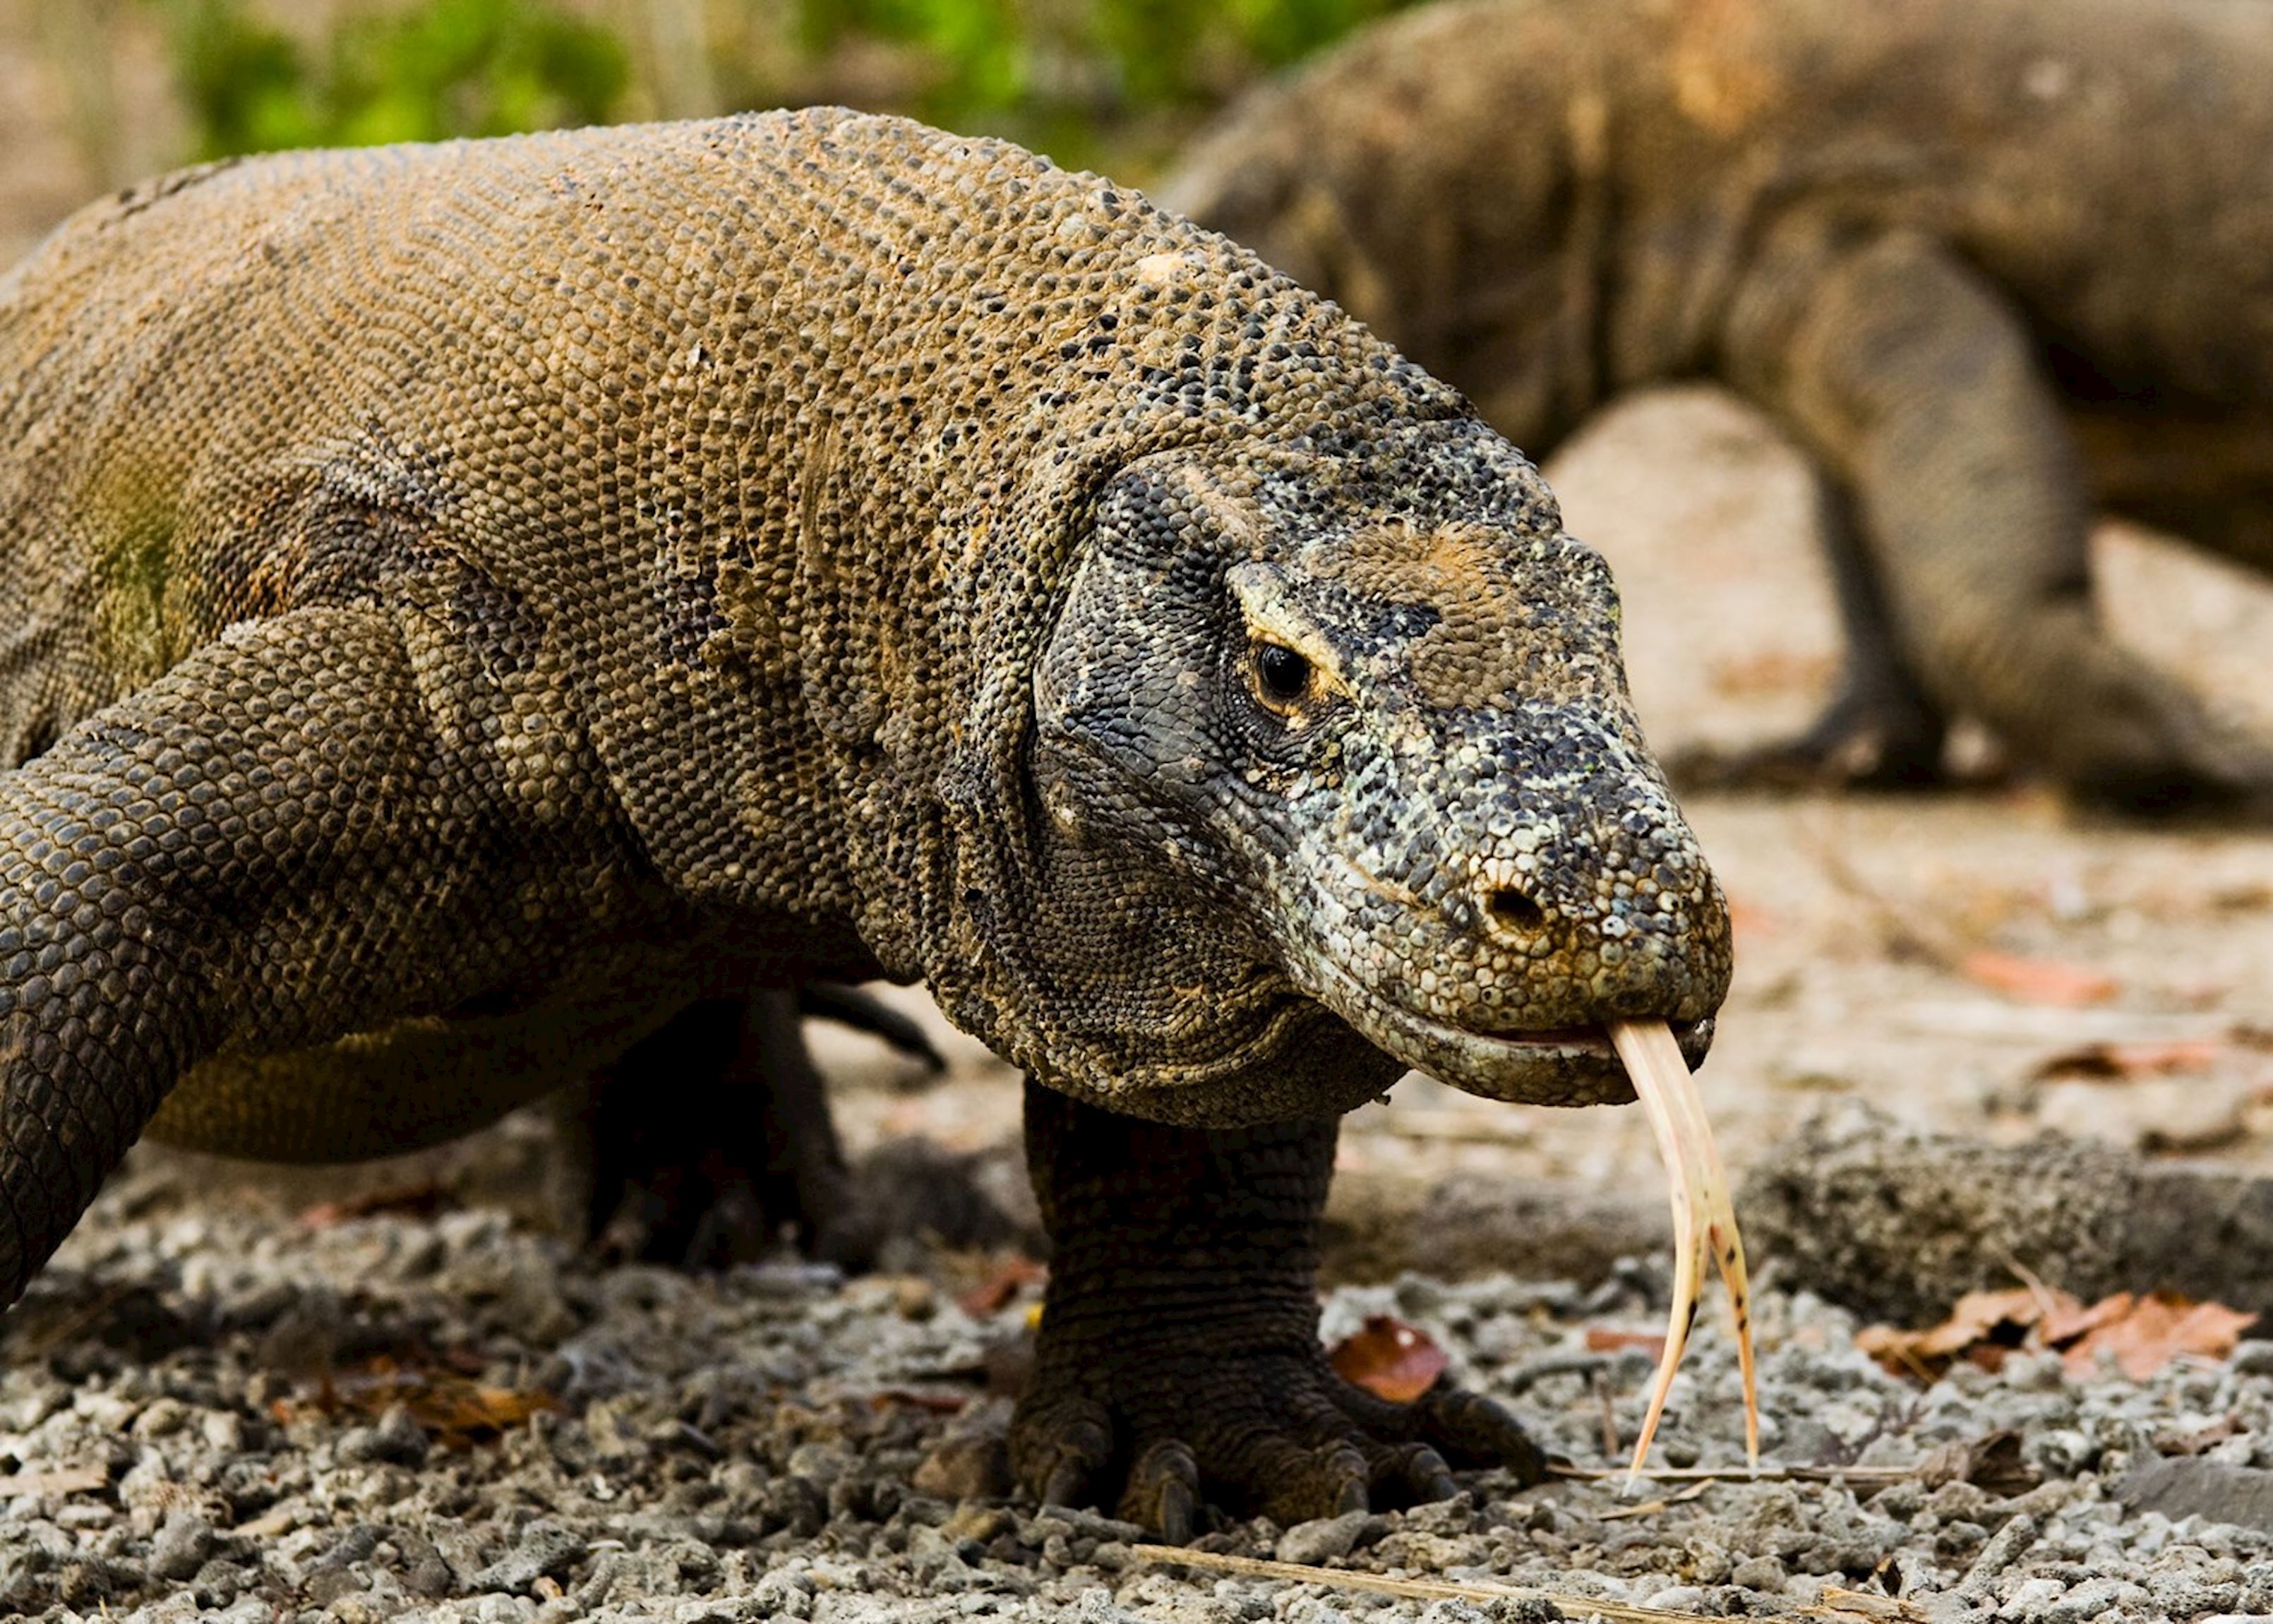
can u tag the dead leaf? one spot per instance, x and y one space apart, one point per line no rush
2158 1329
1389 1360
2142 1334
454 1410
2067 1319
1609 1339
2038 981
422 1200
2117 1062
915 1398
992 1294
1982 1322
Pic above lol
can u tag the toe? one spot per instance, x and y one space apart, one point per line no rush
1057 1452
1293 1483
1412 1473
1164 1492
1470 1430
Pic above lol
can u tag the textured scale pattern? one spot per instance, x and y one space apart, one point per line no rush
476 614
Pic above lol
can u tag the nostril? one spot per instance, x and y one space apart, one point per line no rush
1511 909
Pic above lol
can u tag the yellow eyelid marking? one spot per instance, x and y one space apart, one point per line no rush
1272 619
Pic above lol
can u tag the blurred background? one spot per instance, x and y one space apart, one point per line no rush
95 93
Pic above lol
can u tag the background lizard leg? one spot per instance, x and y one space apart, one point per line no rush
1882 729
1179 1360
1909 376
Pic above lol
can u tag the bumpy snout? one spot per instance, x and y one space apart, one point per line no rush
1552 885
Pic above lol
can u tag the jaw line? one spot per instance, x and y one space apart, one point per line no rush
1490 1068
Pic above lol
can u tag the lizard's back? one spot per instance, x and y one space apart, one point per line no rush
1567 186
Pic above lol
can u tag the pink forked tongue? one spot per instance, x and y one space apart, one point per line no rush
1704 1222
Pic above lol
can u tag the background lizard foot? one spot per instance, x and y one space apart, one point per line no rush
1863 740
710 1141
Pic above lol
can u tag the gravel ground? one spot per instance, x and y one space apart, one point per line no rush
217 1408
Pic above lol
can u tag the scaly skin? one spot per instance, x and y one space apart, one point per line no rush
470 606
1990 263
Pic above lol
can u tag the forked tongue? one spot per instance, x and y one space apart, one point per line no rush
1704 1222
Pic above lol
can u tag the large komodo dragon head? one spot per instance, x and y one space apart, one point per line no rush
1372 709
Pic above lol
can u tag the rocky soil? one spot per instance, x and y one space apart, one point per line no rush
217 1409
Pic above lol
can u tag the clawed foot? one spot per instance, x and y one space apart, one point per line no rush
1275 1433
710 1141
1864 741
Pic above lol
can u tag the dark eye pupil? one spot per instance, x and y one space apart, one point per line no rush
1285 674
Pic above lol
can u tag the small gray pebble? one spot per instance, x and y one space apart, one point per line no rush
546 1550
1322 1539
181 1547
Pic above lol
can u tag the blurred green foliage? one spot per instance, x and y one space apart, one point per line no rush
1078 77
416 74
1087 80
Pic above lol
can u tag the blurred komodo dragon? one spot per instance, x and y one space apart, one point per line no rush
465 605
1990 263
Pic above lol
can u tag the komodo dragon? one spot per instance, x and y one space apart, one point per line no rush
467 603
1990 263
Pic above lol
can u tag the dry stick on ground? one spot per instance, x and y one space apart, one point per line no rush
1905 931
1744 1474
1450 1589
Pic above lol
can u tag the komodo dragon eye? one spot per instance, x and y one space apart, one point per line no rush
1282 678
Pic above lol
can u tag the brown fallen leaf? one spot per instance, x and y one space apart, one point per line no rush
1984 1326
422 1200
452 1408
2142 1334
2038 981
992 1294
2115 1062
1389 1359
2159 1327
1609 1339
915 1398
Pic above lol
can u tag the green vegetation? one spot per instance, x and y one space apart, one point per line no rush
1090 81
413 73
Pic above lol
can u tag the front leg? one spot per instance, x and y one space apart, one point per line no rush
1179 1359
277 842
